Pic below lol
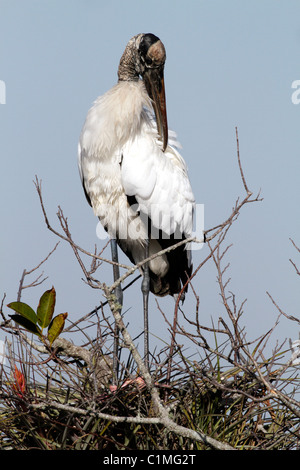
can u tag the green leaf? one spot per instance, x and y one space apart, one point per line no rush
46 308
27 324
24 310
56 326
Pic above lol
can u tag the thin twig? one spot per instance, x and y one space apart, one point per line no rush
290 317
38 280
239 162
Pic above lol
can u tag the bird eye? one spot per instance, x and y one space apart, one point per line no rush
148 60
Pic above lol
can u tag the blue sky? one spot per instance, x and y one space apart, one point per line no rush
228 64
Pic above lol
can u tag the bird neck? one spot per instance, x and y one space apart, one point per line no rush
128 67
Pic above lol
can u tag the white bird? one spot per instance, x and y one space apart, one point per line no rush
133 175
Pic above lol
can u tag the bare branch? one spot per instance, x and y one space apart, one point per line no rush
38 279
240 165
290 317
298 249
38 186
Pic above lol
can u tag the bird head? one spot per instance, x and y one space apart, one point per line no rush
145 56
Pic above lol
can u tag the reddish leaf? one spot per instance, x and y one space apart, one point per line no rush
20 384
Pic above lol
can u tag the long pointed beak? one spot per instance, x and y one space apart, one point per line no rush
154 82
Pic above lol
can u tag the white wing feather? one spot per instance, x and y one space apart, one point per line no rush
159 182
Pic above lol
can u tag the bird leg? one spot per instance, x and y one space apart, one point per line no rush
119 296
145 290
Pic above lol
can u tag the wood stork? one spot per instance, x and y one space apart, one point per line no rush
133 175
